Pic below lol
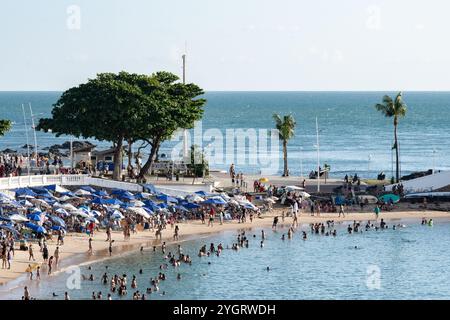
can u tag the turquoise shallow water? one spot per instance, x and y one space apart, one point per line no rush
412 264
350 128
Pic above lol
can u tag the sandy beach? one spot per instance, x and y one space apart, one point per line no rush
76 245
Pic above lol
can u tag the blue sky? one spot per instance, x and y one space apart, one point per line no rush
231 45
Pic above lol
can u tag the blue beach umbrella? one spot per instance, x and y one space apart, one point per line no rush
34 217
57 228
167 198
5 218
57 220
25 192
190 205
35 227
101 193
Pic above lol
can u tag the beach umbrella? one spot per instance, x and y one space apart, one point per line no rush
390 197
126 196
18 218
5 196
117 215
93 220
23 192
88 189
82 193
5 218
34 217
138 203
150 188
263 180
191 205
201 193
25 203
194 198
9 228
269 200
40 202
62 211
142 195
101 193
219 199
304 194
80 213
56 188
250 205
64 198
69 194
69 207
96 213
167 198
112 201
35 228
139 211
57 228
57 220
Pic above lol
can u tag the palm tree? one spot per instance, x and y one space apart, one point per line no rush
394 109
285 126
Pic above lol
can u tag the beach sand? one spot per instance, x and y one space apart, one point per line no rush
76 245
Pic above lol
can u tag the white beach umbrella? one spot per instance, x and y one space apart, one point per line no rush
69 207
64 198
194 198
40 202
304 194
18 218
138 203
62 211
146 195
25 196
269 200
60 189
80 213
81 192
139 211
117 215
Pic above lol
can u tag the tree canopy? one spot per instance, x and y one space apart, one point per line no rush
5 126
126 107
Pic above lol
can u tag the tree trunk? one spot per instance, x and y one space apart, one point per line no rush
130 155
118 160
150 160
285 170
397 162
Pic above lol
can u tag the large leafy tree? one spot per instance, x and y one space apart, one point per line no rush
178 108
126 107
396 109
286 130
5 126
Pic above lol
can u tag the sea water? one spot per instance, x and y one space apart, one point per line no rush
410 262
353 136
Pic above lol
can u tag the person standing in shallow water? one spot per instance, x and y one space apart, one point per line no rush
275 222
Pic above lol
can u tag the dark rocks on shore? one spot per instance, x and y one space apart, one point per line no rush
76 145
9 151
415 175
25 146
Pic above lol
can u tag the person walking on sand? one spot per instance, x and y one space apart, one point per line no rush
56 255
45 252
232 173
341 211
110 247
377 212
90 245
50 265
221 217
175 233
26 294
108 234
30 253
275 222
38 273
